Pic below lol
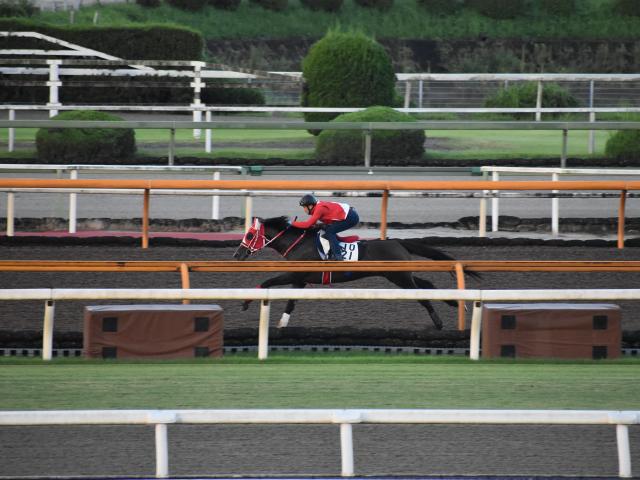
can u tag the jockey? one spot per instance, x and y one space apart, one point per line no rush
337 217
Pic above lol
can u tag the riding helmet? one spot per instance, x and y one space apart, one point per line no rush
308 200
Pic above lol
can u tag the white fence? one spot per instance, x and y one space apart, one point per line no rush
345 418
265 296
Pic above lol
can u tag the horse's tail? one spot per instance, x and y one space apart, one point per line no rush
417 246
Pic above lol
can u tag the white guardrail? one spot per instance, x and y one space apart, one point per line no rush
539 171
345 418
265 296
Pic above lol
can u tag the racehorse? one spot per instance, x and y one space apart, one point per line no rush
299 244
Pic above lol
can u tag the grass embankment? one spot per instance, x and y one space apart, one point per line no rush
406 19
450 144
319 381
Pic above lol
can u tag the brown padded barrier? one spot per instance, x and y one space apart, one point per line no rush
551 330
153 331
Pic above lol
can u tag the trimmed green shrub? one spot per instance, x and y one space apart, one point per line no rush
189 5
323 5
275 5
346 69
86 145
149 3
347 146
441 7
146 42
623 145
561 8
17 8
499 9
629 8
378 4
231 5
232 96
524 95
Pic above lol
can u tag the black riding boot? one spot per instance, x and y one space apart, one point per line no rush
335 256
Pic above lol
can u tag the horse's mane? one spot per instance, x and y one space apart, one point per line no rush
280 223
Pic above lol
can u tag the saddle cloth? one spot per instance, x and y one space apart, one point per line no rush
349 247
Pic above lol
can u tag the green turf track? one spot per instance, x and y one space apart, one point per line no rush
319 381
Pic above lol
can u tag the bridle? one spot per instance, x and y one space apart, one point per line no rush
255 239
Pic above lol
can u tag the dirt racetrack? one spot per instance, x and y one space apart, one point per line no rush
279 450
382 320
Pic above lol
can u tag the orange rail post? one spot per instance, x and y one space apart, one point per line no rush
383 214
460 280
184 275
145 219
623 201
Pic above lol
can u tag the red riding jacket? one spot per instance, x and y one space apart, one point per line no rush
325 212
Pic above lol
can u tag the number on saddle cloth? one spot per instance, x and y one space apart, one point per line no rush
348 245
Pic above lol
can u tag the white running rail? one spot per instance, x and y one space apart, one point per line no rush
265 296
345 418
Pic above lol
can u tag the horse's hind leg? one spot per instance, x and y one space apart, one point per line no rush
423 283
407 281
291 304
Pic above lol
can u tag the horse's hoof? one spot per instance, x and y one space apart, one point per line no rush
284 320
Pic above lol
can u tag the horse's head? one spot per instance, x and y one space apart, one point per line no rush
260 234
252 241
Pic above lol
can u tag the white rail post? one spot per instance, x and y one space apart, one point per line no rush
420 93
47 330
248 211
162 451
73 205
624 455
482 218
215 200
10 214
263 330
12 131
197 88
207 133
172 145
476 327
367 148
54 84
495 205
592 117
407 94
539 102
346 449
563 157
555 209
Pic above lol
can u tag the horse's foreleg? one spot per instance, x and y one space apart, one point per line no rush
291 304
284 279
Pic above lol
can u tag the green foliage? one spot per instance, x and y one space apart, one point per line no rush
629 8
136 42
346 69
624 145
524 95
17 8
377 4
275 5
441 7
499 9
230 5
563 8
323 5
191 5
348 145
85 145
149 3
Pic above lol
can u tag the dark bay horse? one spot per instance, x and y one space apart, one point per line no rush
298 244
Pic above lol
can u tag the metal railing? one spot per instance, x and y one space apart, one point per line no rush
345 418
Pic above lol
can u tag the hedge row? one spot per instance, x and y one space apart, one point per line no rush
148 42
